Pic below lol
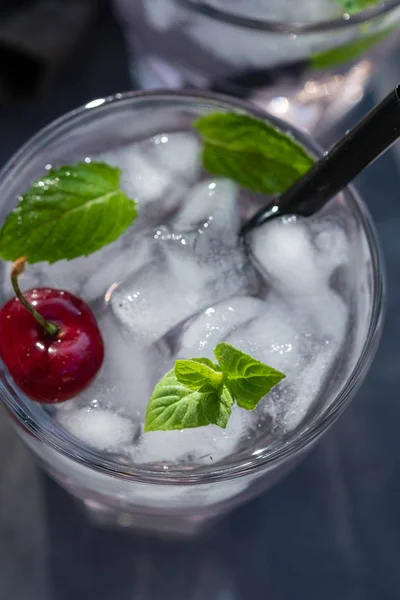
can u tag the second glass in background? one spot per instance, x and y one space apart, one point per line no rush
309 68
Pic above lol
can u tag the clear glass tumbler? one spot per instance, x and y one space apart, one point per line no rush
307 62
183 500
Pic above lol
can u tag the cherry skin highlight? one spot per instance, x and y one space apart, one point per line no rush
50 368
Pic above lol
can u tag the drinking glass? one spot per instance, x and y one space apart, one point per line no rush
183 500
310 67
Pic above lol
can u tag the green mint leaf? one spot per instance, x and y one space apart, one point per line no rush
198 392
251 152
355 6
348 52
175 406
248 379
196 372
217 407
72 211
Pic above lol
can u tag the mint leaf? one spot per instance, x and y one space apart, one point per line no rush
198 392
175 406
196 372
354 6
248 379
348 52
218 407
251 152
72 211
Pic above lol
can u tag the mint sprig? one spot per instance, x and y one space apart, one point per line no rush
355 6
72 211
348 52
198 392
251 152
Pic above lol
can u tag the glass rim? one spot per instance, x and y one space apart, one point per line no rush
31 417
290 27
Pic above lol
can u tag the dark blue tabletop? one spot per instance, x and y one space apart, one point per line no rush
330 531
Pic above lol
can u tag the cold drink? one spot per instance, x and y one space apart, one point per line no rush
304 296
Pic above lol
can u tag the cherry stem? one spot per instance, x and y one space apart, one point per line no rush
17 270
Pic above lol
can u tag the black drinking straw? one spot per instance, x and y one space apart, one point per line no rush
359 147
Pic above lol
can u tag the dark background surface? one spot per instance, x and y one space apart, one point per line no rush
331 530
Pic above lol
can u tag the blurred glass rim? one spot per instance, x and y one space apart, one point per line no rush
290 27
39 424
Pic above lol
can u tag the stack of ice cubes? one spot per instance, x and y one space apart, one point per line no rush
178 284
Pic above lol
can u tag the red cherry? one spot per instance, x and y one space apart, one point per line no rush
47 367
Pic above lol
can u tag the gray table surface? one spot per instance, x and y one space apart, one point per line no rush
331 530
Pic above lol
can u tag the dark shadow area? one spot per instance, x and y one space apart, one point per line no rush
14 62
97 68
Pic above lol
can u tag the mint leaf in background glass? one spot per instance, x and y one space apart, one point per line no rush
175 406
251 152
248 379
72 211
354 6
196 372
348 52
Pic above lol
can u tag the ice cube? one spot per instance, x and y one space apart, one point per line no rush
203 445
301 341
326 315
177 153
215 323
129 373
211 214
154 300
276 338
285 251
125 261
159 170
131 370
333 247
69 275
100 429
210 204
307 388
173 289
141 180
300 271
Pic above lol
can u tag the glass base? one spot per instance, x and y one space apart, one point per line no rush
164 526
314 107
